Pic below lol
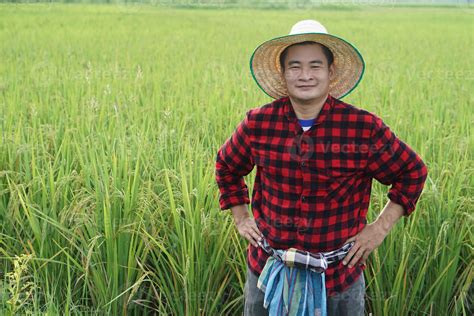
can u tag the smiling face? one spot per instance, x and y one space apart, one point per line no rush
307 73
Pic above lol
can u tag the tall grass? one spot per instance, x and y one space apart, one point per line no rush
111 118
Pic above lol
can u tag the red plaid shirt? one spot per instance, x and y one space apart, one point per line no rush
312 188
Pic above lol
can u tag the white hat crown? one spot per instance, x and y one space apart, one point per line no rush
308 26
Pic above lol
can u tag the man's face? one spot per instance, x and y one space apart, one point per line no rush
306 73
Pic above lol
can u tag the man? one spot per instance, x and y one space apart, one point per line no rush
316 157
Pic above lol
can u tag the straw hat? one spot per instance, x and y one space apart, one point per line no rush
348 62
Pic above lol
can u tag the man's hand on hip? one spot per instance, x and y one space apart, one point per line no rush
373 234
366 241
248 229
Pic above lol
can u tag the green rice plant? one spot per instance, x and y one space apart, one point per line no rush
20 286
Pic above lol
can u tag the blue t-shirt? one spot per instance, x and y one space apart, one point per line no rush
306 124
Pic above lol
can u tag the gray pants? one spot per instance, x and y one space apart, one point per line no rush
349 302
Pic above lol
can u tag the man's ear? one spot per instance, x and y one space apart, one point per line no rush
332 71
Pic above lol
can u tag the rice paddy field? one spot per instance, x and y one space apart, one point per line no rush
111 117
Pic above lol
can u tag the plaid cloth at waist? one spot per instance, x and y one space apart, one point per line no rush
317 262
294 280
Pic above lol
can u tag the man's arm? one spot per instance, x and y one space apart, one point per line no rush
234 161
240 213
390 215
390 161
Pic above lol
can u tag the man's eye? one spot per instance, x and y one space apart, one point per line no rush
316 67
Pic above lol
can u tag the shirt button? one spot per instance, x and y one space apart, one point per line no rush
303 198
302 164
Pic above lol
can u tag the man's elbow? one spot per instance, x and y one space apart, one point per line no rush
422 172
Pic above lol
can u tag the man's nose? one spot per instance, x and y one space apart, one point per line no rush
305 74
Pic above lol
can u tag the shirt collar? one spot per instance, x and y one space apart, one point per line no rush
323 114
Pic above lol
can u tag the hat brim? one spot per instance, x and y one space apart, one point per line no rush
266 70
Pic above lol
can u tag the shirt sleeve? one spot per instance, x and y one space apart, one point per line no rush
391 161
234 161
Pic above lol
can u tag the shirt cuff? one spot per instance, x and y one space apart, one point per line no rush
399 198
228 200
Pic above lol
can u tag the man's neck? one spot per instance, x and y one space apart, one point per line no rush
306 110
